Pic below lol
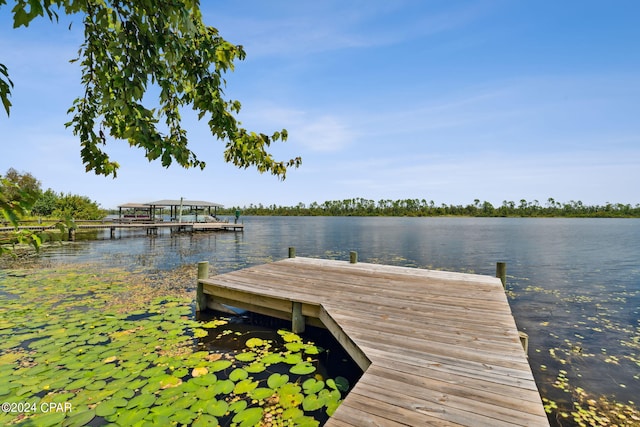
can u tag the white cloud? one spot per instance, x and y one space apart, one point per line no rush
326 133
315 131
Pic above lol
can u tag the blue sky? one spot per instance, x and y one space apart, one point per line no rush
448 101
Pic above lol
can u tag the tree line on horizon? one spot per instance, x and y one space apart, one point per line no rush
422 207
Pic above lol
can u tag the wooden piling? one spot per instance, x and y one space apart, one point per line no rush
201 297
353 257
292 252
501 273
297 319
524 340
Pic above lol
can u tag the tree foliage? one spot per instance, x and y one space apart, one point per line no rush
133 48
21 197
421 207
21 182
77 207
15 203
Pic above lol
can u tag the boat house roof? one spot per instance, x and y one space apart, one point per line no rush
171 203
192 203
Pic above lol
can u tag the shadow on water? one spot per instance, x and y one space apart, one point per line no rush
332 361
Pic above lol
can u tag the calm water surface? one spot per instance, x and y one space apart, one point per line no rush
574 283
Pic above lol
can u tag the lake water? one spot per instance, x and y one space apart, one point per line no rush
574 284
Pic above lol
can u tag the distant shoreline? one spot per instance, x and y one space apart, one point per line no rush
423 208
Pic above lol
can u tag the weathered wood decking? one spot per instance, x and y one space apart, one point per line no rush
437 348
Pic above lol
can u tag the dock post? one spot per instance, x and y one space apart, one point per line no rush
72 234
292 252
297 319
501 273
524 340
201 298
353 257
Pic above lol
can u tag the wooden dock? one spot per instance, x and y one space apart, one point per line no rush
436 348
150 227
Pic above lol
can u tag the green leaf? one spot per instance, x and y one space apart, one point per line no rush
339 383
238 406
142 401
246 357
249 417
131 416
224 387
80 419
205 420
49 419
277 380
245 386
219 365
303 368
238 374
311 386
271 359
183 416
312 403
255 368
254 342
217 408
261 393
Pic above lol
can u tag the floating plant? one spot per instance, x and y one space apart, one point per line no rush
80 347
573 344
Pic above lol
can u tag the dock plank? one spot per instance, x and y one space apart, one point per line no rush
436 347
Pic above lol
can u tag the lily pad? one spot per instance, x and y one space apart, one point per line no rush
217 408
238 406
255 368
312 403
50 419
277 380
312 386
289 336
183 416
303 368
238 374
246 357
204 380
219 365
339 383
205 420
245 386
254 342
271 359
249 417
224 387
142 401
130 417
261 393
80 419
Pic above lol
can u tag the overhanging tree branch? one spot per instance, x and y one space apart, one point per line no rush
132 45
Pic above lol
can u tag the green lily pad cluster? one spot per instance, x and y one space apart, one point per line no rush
78 348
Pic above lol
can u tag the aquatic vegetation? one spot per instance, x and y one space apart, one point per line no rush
585 410
80 345
573 344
